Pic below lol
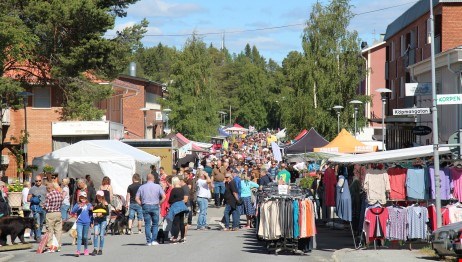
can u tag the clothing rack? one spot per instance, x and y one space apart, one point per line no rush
284 243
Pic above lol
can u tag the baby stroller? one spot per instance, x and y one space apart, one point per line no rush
118 220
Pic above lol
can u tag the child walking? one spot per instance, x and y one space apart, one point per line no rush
100 213
84 211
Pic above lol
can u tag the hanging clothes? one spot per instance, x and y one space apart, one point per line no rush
343 199
455 213
397 222
446 184
375 223
417 218
269 226
329 182
376 184
456 177
296 219
432 216
397 176
310 219
417 183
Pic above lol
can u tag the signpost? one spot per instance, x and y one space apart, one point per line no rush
450 99
411 111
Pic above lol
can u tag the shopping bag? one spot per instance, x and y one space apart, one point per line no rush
54 244
43 243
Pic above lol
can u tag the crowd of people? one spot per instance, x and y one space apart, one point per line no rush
164 201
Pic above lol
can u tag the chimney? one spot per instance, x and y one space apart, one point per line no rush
363 45
132 69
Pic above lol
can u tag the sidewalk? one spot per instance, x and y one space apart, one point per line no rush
6 257
380 255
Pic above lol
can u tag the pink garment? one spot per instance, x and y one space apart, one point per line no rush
330 181
375 223
456 177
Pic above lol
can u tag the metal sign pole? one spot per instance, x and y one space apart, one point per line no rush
436 155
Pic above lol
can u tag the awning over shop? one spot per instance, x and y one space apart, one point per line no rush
389 156
306 143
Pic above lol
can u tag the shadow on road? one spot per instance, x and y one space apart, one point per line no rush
328 240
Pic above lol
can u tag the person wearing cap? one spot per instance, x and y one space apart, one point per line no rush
83 210
150 196
36 197
54 223
231 198
100 213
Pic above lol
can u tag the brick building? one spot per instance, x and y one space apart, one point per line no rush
44 113
407 43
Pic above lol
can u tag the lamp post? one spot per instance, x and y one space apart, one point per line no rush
384 93
338 109
25 97
356 104
145 110
167 111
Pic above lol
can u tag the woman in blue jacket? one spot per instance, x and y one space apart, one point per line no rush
83 209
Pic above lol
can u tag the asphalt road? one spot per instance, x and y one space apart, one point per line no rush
200 246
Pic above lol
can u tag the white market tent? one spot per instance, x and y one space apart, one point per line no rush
100 158
389 156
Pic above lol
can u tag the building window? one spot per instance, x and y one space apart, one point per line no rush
392 88
392 51
401 87
42 97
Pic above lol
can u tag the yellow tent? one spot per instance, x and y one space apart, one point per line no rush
346 143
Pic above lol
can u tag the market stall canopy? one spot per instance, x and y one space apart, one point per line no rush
390 156
346 143
100 158
301 134
307 143
235 130
222 132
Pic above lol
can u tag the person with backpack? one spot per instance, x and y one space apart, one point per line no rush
100 213
36 197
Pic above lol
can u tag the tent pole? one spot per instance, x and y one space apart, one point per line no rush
353 234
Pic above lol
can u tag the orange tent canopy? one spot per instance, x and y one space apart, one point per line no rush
346 143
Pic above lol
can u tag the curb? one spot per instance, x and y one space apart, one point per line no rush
6 257
334 256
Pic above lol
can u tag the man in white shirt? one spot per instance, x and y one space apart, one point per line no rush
203 196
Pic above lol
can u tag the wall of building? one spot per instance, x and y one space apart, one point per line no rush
39 129
452 26
376 79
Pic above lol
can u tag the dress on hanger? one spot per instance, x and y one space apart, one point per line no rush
376 184
446 185
456 177
343 199
329 181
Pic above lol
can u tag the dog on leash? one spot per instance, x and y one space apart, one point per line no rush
120 225
160 236
73 234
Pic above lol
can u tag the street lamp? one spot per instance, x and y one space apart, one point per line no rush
338 109
222 117
145 110
25 99
356 104
384 93
167 111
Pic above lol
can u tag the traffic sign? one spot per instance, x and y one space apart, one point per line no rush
411 111
452 99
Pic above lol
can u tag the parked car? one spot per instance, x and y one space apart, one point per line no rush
446 240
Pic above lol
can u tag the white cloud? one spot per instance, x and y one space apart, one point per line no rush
151 30
159 8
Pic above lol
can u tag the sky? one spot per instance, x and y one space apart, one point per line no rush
171 21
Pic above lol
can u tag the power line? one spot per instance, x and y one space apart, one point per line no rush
268 28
